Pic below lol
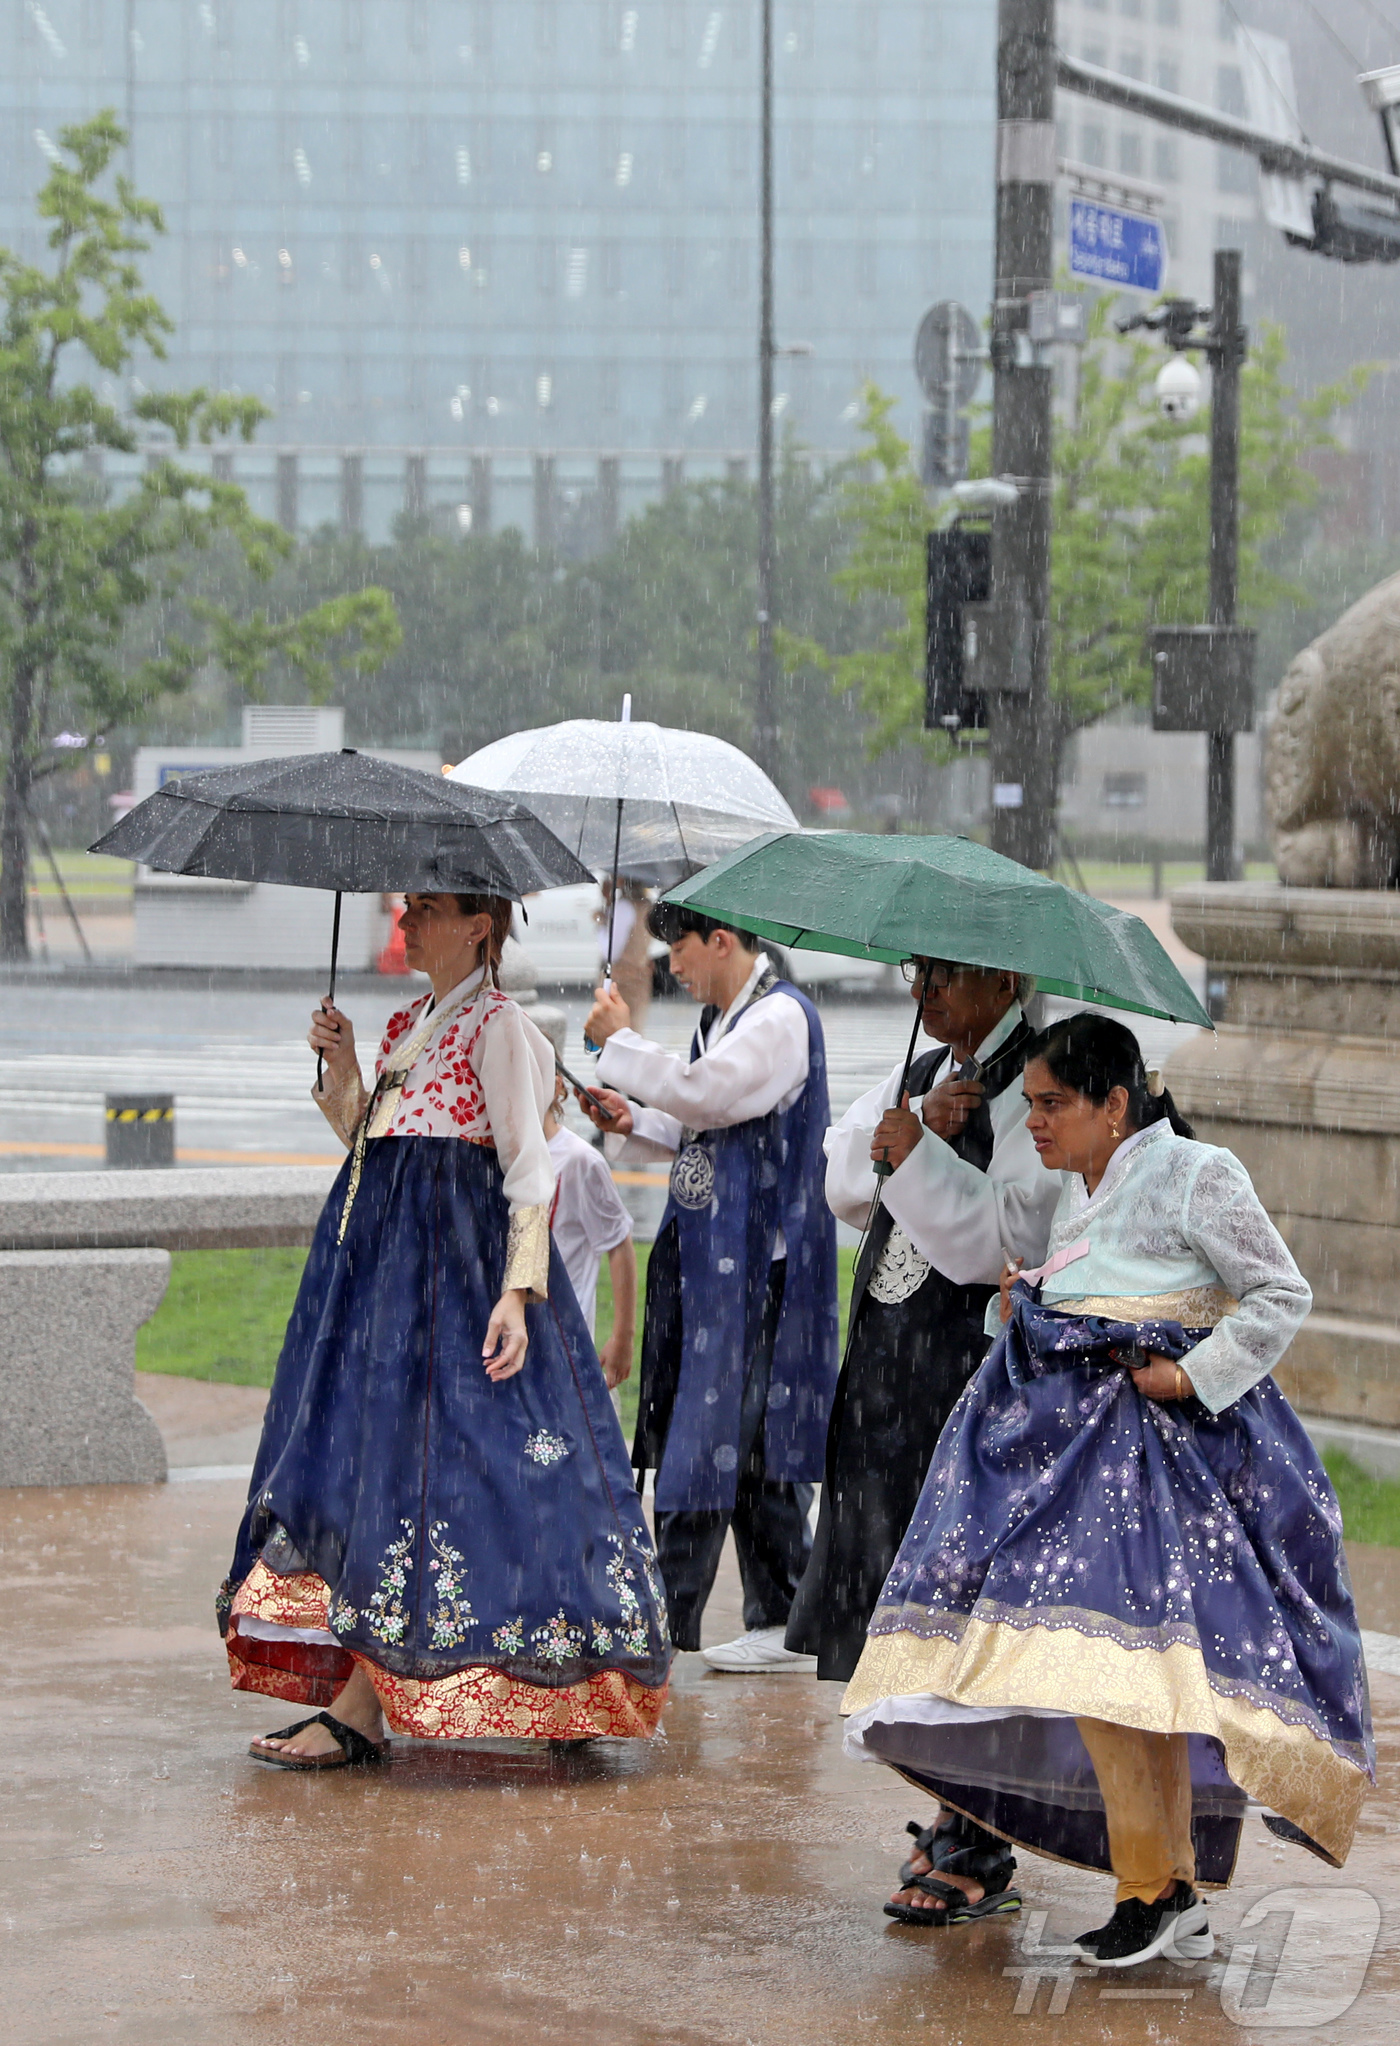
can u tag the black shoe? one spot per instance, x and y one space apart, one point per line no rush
1175 1928
1090 1940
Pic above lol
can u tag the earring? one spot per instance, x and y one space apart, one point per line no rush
1114 1131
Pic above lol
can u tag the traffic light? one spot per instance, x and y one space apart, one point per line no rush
959 574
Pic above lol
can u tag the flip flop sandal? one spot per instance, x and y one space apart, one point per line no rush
355 1750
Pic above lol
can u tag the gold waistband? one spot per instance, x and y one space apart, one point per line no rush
1192 1306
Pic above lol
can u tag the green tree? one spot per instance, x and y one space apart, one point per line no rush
498 635
884 516
1130 531
74 567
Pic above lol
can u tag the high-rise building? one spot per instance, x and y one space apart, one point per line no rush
499 258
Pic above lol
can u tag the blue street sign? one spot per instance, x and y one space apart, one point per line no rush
1115 247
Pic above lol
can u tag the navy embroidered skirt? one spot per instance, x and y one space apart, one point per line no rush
479 1549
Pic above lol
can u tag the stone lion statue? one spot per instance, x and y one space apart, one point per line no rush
1332 766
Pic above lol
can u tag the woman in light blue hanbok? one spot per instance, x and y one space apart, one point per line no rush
1122 1607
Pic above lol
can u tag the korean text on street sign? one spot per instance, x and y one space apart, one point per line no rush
1116 247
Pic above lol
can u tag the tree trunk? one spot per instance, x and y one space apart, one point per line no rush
14 821
1062 730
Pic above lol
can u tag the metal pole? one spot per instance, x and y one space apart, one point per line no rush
1227 356
1022 754
42 834
131 89
765 726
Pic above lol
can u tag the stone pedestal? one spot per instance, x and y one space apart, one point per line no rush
1302 1083
69 1414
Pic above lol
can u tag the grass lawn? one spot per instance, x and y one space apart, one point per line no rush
224 1315
1370 1506
83 874
226 1310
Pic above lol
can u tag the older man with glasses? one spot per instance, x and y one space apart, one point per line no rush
965 1191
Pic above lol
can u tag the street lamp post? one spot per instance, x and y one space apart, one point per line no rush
1203 675
1227 353
765 722
1022 755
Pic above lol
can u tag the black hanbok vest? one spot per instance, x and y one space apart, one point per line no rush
908 1360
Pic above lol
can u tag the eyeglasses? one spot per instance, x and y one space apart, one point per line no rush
927 972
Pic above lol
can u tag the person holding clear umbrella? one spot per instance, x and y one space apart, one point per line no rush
739 1344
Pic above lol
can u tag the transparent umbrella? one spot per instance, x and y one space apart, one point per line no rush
682 799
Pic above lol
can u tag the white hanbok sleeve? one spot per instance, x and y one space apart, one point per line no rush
759 1063
655 1140
966 1221
850 1176
514 1062
1225 1223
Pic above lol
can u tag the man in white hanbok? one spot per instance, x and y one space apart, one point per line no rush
966 1190
739 1343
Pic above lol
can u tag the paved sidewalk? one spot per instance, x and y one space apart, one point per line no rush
716 1887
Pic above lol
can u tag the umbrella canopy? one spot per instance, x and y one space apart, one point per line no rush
343 821
687 797
896 897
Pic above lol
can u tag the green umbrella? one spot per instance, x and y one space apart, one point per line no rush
897 897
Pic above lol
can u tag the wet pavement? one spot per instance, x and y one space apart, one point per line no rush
719 1885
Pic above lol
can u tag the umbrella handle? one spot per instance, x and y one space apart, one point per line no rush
330 992
884 1168
588 1043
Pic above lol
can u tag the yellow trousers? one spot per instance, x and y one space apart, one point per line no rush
1145 1782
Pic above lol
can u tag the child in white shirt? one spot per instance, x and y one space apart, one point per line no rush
589 1221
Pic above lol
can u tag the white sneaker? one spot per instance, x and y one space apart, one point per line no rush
759 1652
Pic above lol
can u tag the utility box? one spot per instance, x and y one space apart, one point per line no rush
959 569
1202 678
998 647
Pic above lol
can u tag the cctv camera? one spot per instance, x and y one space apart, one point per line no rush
1178 389
984 494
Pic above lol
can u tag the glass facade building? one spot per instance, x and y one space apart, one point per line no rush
490 257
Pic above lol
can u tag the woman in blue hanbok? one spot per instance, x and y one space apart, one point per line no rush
442 1530
1122 1609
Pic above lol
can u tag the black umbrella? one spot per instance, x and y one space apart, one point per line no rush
343 821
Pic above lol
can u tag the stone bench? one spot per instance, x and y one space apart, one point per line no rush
84 1262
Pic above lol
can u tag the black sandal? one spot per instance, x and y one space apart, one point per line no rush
355 1750
927 1842
958 1846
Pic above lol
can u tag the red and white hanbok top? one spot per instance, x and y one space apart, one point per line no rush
481 1071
